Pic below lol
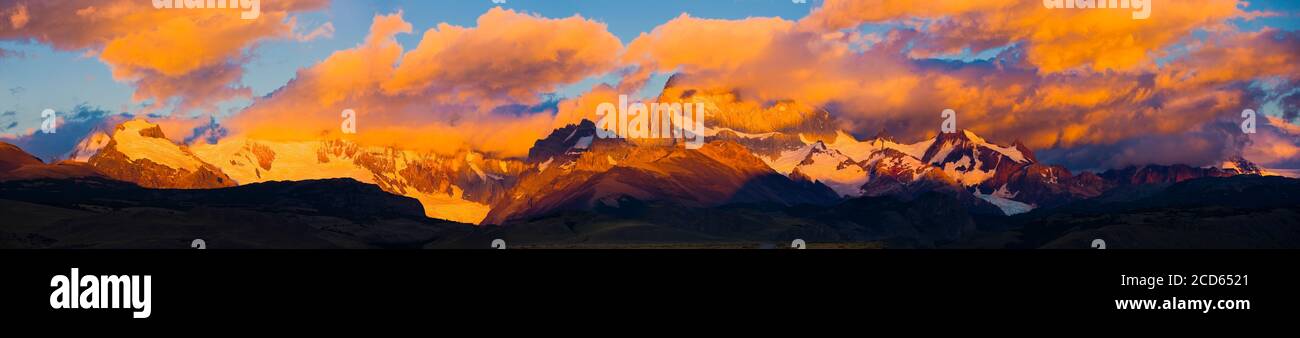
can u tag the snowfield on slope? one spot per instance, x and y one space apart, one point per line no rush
296 161
158 150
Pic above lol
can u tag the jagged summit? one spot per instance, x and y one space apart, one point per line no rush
138 152
949 147
570 138
818 146
613 175
1024 150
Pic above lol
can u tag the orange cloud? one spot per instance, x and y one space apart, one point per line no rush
1065 78
509 56
167 54
18 18
730 43
1275 141
1055 39
445 95
574 110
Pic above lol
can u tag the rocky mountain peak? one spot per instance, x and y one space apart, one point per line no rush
140 153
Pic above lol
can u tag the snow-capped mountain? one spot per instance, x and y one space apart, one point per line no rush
889 169
963 157
457 187
89 146
1009 177
960 161
564 144
610 173
863 150
137 151
970 160
96 139
832 168
573 169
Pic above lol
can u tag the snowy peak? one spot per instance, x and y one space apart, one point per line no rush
454 187
860 150
972 160
138 152
1024 151
888 169
893 161
719 173
789 159
961 162
141 140
819 154
828 166
948 147
89 146
818 146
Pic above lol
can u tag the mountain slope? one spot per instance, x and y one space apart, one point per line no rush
970 160
12 157
980 172
611 173
457 187
832 168
16 165
957 163
1242 211
313 214
138 152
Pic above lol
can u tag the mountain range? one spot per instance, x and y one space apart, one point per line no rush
783 167
572 169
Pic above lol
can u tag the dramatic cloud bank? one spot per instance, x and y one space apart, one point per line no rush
1071 81
1090 88
188 59
450 92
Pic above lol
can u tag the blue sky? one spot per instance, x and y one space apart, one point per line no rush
40 77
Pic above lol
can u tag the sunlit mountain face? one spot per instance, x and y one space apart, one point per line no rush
896 123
